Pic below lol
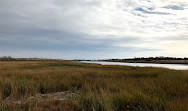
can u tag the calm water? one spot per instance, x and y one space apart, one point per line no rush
169 66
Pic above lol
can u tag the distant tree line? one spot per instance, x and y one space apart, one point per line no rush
152 58
9 58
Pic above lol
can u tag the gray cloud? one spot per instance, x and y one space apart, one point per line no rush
151 12
174 7
87 28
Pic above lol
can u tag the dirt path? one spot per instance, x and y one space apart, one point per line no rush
65 95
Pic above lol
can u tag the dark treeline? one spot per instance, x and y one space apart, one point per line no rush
82 60
9 58
153 58
160 60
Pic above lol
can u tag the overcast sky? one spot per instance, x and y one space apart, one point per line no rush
93 29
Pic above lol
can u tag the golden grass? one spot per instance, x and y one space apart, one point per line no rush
99 88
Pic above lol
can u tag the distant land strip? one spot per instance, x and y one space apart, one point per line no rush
9 58
158 60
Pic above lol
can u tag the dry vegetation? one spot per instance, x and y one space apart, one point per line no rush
96 87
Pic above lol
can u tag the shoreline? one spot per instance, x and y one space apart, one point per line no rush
183 62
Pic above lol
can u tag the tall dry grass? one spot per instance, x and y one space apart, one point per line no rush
99 88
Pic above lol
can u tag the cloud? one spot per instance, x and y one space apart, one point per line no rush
150 12
100 27
174 7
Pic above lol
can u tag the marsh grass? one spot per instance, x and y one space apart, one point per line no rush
99 88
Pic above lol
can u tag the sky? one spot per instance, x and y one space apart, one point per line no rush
93 29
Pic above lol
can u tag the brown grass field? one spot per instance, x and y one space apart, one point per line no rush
90 87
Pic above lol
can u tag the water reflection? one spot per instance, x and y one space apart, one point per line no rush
169 66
